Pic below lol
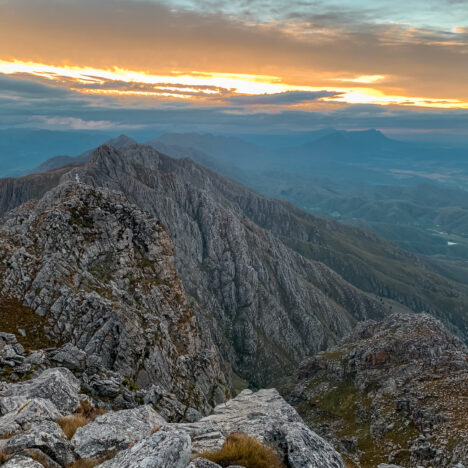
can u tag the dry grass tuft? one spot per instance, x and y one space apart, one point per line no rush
241 449
71 423
155 429
4 457
88 411
92 462
85 414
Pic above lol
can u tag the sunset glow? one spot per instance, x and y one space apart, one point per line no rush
309 64
206 85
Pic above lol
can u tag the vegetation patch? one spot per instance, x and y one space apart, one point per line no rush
71 423
85 414
15 316
241 449
92 462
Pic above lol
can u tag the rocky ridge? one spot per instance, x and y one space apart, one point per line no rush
244 258
266 306
393 391
84 267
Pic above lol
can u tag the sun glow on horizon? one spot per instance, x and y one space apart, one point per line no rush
198 85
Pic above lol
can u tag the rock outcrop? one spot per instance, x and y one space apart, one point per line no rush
249 263
83 266
168 447
115 431
141 437
392 392
266 416
265 305
58 385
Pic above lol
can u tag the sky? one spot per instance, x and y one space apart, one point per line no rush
237 66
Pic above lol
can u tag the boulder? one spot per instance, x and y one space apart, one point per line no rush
21 462
58 385
115 431
31 412
266 416
47 436
68 356
202 463
167 448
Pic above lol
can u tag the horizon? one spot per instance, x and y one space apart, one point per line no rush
235 68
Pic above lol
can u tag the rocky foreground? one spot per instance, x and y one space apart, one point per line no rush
141 437
394 391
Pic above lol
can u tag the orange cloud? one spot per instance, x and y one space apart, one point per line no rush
131 42
217 86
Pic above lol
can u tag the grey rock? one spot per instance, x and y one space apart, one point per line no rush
115 431
203 463
58 385
266 416
20 461
9 404
68 356
166 448
46 436
101 273
31 412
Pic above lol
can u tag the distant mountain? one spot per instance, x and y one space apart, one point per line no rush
225 150
404 191
60 161
211 162
339 142
22 149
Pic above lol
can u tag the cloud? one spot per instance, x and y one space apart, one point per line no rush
74 123
304 44
26 89
287 98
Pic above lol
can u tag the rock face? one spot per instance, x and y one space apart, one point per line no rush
58 385
115 431
166 448
266 416
392 392
248 264
99 273
265 306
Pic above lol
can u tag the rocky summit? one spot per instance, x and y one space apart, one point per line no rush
394 391
86 268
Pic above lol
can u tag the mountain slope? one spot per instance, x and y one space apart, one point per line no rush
266 305
61 161
100 272
391 392
250 263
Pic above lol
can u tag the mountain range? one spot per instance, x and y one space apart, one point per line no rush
156 280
